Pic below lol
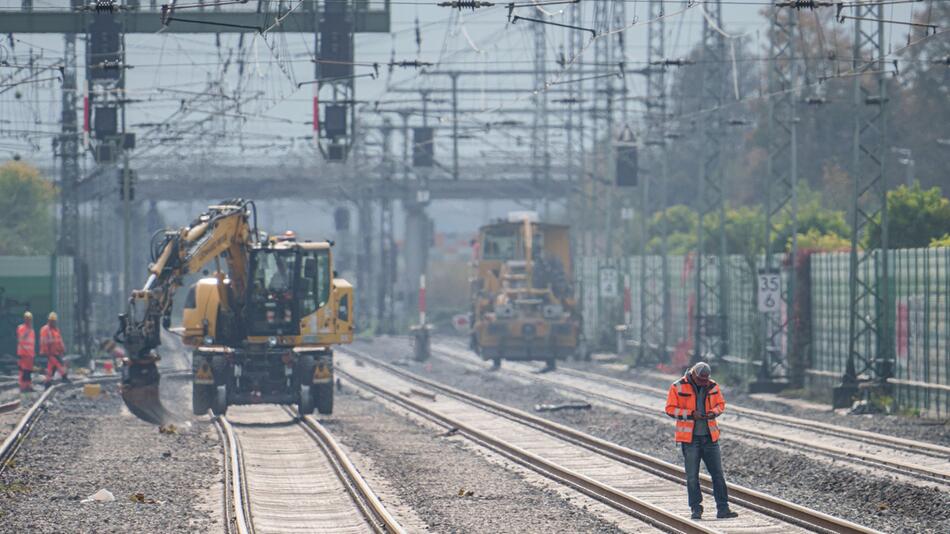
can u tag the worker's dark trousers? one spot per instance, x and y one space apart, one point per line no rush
705 449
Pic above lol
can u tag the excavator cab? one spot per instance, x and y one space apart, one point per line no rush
289 284
272 307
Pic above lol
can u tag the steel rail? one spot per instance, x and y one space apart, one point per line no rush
653 515
800 422
766 504
18 435
366 499
237 498
871 460
9 406
872 438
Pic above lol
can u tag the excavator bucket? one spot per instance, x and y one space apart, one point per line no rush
140 392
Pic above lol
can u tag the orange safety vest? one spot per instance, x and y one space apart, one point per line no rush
681 403
26 341
51 342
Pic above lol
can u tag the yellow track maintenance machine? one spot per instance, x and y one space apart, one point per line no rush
523 303
261 331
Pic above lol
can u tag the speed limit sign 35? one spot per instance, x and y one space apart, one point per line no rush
770 292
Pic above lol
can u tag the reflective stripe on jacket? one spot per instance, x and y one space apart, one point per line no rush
681 403
51 342
26 341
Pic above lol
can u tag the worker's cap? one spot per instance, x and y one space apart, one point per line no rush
53 316
701 370
27 315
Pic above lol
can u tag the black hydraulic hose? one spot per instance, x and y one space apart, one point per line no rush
253 206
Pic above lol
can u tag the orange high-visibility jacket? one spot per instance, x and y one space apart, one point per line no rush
26 341
681 403
51 342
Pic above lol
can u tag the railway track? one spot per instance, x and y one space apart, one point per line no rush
644 487
288 474
12 443
914 459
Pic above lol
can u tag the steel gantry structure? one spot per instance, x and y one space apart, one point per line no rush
781 205
711 334
654 277
870 344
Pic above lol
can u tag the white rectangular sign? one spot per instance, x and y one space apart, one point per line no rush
608 283
770 292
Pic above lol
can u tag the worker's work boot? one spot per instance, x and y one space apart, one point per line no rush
697 513
66 380
726 514
48 384
550 365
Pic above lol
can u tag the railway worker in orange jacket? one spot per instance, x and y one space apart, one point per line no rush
51 346
26 352
695 401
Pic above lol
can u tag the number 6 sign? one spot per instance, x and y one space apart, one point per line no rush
770 292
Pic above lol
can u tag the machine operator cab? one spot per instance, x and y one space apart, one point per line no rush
293 298
279 273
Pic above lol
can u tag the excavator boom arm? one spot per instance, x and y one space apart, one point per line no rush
224 228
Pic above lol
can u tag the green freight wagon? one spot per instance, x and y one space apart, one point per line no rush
39 284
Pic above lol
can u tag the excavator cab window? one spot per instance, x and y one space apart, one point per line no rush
271 307
314 280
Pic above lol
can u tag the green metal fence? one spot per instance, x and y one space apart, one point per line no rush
919 320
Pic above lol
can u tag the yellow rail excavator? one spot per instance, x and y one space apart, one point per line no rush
261 331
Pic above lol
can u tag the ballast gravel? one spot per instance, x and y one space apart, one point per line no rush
80 446
866 498
448 487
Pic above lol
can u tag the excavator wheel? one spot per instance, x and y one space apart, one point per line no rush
219 400
305 406
201 397
324 397
305 367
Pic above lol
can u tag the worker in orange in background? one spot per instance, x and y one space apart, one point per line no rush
51 346
25 352
695 401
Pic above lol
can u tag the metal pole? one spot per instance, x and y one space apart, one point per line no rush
126 229
653 280
455 126
711 337
781 195
870 350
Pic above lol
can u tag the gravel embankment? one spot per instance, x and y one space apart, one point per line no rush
857 495
916 428
428 472
81 446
